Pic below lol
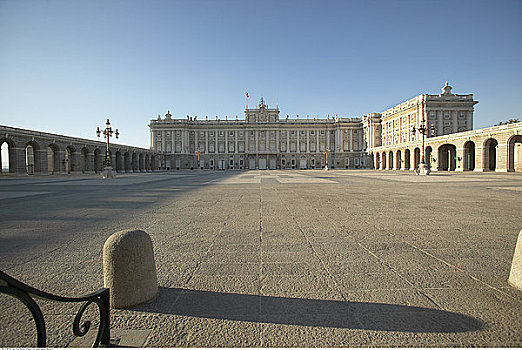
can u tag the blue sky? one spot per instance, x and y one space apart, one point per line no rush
65 66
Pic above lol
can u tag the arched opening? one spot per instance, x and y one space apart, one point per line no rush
447 157
377 160
84 160
407 159
53 159
70 165
469 155
98 160
416 157
140 160
490 154
147 162
119 165
399 160
32 159
126 161
383 160
134 162
390 160
153 162
428 158
8 158
515 153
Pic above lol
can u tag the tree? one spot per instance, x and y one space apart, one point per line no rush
510 121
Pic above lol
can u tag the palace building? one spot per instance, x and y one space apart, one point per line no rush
263 140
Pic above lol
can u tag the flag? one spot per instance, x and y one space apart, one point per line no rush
247 94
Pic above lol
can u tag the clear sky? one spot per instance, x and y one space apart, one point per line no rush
65 66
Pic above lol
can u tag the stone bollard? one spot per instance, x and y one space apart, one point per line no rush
129 269
515 276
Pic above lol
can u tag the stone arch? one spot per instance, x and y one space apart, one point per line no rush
140 162
152 162
377 160
383 160
390 160
515 153
147 162
398 161
53 159
490 154
32 158
447 157
98 160
134 161
469 156
126 161
407 159
84 160
70 159
416 157
7 156
119 162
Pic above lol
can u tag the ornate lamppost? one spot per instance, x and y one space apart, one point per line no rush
326 159
107 134
422 129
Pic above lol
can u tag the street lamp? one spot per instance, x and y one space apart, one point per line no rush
107 134
326 160
422 129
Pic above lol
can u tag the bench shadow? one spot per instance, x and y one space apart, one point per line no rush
308 312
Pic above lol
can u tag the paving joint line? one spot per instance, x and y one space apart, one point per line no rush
334 280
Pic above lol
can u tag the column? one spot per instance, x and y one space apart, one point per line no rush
298 141
162 140
226 143
479 158
206 141
317 140
307 140
256 141
502 160
287 141
236 150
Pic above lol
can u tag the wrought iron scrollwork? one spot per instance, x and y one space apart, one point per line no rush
25 293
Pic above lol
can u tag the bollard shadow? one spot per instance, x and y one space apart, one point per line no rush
308 312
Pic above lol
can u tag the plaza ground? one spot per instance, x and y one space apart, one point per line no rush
276 258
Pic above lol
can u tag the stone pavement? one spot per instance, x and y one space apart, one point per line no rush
276 258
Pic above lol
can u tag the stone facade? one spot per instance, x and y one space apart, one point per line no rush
261 141
40 153
377 140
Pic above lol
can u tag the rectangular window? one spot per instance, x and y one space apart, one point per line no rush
211 133
221 133
231 133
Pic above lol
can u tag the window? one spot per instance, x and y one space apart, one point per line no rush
302 132
211 133
230 133
312 132
221 133
240 133
322 132
201 133
292 132
251 133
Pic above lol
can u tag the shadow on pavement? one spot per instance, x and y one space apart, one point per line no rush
308 312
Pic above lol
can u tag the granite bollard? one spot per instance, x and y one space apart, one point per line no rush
515 275
129 269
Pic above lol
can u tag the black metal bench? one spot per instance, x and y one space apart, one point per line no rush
25 293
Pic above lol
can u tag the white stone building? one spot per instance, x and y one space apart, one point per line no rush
377 140
261 141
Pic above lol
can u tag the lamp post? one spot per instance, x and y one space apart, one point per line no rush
422 129
107 134
326 159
